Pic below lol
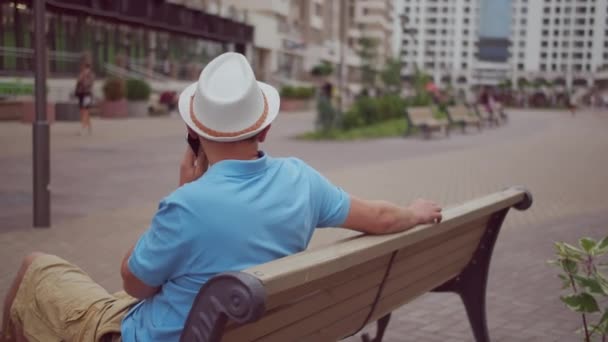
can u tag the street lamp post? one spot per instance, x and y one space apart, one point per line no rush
40 129
342 72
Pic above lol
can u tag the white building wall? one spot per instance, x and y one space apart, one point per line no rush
559 39
445 38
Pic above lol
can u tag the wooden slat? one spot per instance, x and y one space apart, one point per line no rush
290 272
395 300
403 279
463 245
309 306
338 310
339 329
430 243
333 280
304 327
349 324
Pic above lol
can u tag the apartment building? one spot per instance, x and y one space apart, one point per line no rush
439 37
564 41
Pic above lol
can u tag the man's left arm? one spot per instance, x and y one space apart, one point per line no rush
131 284
159 255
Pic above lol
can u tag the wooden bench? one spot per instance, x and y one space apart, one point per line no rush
459 115
332 292
422 117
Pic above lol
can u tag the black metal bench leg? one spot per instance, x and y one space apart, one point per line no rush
381 324
475 305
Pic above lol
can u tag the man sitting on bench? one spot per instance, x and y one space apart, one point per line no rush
236 207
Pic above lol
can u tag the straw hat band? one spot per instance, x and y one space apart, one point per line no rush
256 125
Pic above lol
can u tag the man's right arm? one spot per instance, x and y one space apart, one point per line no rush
381 217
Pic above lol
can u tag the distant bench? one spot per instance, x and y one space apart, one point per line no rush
423 119
459 115
330 293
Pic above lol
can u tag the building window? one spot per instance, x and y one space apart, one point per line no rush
464 66
545 21
547 10
544 43
522 44
319 9
543 67
543 55
553 67
520 66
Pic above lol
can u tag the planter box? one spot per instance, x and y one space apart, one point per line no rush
67 111
138 109
10 110
28 113
114 109
295 105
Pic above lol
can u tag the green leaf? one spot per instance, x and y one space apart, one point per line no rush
592 284
587 244
569 251
602 246
582 302
570 266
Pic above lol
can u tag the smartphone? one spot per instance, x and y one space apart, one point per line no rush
194 143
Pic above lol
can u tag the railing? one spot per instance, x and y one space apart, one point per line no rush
20 62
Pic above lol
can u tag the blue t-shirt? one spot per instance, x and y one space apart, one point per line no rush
238 215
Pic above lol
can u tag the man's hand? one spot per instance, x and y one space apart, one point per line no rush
191 167
425 211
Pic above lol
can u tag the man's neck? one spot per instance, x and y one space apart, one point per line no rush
216 156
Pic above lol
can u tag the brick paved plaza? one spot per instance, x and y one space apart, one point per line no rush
105 189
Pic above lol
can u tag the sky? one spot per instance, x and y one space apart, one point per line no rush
495 18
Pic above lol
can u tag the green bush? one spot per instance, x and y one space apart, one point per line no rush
420 100
138 90
301 93
114 89
369 110
391 107
351 119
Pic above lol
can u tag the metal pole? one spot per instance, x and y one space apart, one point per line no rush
342 74
40 129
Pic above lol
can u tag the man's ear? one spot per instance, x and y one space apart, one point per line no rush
263 133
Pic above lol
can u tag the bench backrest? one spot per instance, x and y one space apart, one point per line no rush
329 293
459 112
419 115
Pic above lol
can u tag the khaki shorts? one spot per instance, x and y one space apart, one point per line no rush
57 301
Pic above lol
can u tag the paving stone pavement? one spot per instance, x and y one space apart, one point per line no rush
105 189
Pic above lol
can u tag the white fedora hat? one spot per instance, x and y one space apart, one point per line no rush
227 103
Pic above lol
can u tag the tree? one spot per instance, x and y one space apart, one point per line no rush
368 54
522 84
391 76
322 69
506 84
